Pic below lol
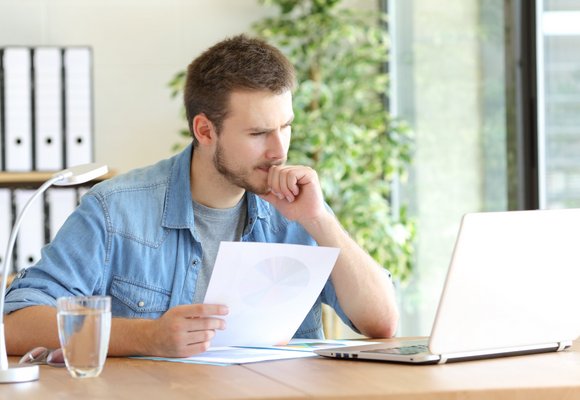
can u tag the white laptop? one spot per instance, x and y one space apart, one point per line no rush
512 288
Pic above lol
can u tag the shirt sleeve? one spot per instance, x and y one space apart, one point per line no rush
71 265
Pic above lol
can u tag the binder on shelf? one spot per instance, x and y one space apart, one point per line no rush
5 222
2 148
47 66
81 191
78 106
30 239
17 86
61 203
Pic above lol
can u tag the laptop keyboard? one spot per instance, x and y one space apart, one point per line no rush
404 350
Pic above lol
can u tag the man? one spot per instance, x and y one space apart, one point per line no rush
149 238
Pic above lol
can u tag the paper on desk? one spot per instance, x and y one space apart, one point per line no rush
269 289
296 348
235 355
309 345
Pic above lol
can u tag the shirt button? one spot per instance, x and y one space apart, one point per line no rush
194 262
141 303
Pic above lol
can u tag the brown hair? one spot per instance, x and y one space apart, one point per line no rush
237 63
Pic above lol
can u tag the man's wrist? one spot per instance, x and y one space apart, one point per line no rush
130 337
322 226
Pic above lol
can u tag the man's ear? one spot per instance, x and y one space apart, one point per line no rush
203 129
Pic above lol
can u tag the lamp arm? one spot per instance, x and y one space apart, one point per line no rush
8 261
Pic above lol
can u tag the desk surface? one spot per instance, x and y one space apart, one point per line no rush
542 376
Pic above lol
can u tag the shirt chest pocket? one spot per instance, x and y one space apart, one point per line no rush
138 300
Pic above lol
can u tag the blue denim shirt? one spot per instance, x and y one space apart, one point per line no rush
133 237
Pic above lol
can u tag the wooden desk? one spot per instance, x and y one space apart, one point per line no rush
543 376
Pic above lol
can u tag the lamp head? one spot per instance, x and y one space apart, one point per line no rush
80 174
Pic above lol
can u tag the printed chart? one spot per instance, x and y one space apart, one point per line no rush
273 281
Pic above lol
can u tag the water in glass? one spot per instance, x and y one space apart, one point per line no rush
84 337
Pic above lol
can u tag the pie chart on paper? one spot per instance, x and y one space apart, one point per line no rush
273 281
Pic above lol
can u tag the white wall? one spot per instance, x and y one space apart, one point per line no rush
138 45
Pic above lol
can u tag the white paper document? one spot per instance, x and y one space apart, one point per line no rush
296 348
269 289
235 355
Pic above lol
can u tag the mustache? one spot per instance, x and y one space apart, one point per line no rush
268 165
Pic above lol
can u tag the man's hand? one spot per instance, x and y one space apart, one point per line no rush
295 192
184 330
365 293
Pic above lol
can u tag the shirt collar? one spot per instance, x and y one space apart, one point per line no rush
178 210
257 207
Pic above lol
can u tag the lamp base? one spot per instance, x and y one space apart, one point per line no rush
19 373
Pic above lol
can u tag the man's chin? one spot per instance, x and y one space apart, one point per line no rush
258 190
259 186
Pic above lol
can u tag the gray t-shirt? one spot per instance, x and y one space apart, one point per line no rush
213 226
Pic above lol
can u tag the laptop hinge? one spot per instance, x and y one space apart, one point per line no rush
443 359
563 345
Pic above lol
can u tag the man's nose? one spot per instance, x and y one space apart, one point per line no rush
277 146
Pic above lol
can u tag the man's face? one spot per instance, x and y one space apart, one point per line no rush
254 136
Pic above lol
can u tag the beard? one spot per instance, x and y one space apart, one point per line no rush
241 177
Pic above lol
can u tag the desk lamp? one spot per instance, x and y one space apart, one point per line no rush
71 176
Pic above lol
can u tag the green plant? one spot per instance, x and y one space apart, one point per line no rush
341 126
176 85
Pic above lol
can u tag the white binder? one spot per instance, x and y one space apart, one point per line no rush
18 109
47 63
5 222
78 106
81 191
1 107
61 203
31 236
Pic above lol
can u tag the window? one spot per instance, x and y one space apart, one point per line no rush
449 82
492 90
558 58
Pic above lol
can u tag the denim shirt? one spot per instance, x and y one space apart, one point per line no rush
133 237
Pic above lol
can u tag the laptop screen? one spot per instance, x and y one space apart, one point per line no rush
514 280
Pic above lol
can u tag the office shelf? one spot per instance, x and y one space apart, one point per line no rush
36 178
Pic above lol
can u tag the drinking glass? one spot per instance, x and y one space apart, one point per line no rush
84 327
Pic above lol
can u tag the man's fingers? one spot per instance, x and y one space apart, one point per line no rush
284 181
196 337
199 347
274 181
289 182
202 324
191 345
200 310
